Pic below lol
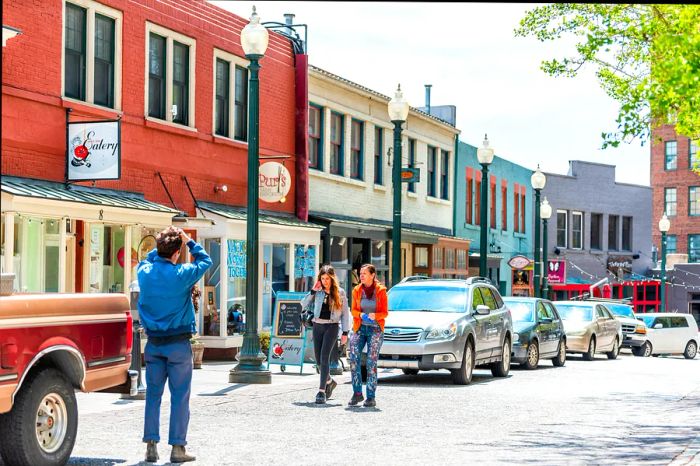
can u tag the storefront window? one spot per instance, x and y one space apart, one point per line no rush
339 250
276 279
106 271
212 288
35 254
379 252
421 257
236 262
304 267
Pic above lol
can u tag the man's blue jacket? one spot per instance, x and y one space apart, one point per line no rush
165 302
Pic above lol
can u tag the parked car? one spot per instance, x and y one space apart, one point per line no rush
538 332
672 333
590 328
52 345
447 324
634 330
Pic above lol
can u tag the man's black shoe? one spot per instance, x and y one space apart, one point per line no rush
320 398
370 403
356 399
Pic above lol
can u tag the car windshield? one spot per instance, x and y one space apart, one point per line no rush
621 310
522 311
428 299
574 312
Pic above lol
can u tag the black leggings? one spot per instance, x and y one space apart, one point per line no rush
325 336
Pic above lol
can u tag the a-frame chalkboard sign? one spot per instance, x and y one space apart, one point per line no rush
288 335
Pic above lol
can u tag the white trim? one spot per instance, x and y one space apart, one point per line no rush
566 229
93 7
8 265
233 61
579 214
171 36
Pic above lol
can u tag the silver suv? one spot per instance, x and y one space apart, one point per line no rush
447 324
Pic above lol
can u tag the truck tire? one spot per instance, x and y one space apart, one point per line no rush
502 367
463 375
41 428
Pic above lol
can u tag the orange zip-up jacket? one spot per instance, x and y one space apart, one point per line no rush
382 306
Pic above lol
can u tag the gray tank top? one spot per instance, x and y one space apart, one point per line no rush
369 306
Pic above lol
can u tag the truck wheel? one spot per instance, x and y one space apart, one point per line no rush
410 371
691 349
502 367
590 354
42 425
463 375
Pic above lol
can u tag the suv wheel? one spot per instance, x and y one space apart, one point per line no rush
533 356
691 349
502 367
590 354
42 425
615 349
643 351
560 360
463 375
410 371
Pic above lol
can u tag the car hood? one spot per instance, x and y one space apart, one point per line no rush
575 325
424 320
629 321
520 327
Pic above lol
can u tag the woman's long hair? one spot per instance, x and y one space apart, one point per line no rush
334 293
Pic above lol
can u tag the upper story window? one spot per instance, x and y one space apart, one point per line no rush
336 154
92 53
170 70
693 248
562 229
230 80
412 161
516 207
469 197
477 196
492 208
576 230
596 230
693 159
316 137
670 201
378 155
694 200
504 205
432 166
356 150
613 221
671 155
445 176
671 244
626 233
522 209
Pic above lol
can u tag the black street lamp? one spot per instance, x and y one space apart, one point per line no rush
485 156
545 213
398 112
538 181
250 368
664 226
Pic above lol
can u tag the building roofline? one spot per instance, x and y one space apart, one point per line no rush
374 93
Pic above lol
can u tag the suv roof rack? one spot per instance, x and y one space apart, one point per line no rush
413 278
610 300
471 280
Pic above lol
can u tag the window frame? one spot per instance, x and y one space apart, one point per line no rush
318 139
566 229
445 175
694 254
170 37
378 158
360 175
674 155
469 198
693 153
675 244
629 233
432 169
412 161
574 214
696 191
341 145
92 8
492 204
504 205
674 202
598 243
615 246
522 209
516 207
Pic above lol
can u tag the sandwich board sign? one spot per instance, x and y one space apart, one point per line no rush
288 335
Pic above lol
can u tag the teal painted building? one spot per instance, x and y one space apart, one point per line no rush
509 218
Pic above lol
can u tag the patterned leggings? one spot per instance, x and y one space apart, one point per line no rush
373 337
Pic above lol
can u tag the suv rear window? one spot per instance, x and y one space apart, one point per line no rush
677 322
427 298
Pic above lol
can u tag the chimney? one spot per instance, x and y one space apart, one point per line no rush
289 20
427 98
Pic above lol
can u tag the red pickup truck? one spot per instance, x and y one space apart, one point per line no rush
50 346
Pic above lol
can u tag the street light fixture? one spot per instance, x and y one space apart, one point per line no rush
545 213
250 368
485 156
538 181
664 226
398 112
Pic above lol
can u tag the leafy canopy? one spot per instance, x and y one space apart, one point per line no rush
646 57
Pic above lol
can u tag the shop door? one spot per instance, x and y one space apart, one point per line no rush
267 286
70 264
51 270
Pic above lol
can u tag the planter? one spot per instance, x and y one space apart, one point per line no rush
197 354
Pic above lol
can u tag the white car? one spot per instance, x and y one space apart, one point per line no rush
671 333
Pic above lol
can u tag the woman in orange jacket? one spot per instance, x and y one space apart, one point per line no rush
369 310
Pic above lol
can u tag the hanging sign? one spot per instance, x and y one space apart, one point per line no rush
94 150
288 335
556 271
410 175
518 262
274 182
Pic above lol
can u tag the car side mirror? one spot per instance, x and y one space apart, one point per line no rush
483 310
546 320
659 325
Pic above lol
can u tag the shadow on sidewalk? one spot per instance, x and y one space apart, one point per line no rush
311 404
224 391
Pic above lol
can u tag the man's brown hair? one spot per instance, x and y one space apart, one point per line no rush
168 241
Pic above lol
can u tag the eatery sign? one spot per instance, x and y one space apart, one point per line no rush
94 150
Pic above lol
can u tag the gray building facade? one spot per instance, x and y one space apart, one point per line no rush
599 228
683 291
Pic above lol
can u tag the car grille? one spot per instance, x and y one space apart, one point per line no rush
402 334
628 328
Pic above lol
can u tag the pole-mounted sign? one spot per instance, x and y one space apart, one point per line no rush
410 175
94 150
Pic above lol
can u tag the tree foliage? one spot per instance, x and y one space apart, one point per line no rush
646 57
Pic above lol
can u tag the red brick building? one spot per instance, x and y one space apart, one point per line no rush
175 75
676 191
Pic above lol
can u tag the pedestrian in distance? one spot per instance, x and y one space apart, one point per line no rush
369 310
330 307
167 314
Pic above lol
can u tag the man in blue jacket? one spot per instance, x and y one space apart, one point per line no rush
167 314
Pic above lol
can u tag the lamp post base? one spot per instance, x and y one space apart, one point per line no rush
250 374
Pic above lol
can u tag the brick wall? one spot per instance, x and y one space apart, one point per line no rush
682 178
33 110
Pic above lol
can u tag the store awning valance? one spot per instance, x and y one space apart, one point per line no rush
374 229
48 198
239 213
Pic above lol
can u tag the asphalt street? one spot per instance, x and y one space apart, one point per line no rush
627 411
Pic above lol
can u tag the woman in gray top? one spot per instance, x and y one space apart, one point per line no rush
330 305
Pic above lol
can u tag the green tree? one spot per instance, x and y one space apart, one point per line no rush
646 57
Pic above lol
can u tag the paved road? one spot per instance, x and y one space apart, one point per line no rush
628 411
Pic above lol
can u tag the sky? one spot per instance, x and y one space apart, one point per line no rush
470 55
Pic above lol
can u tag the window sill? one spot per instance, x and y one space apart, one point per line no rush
519 235
436 200
168 126
229 142
337 178
93 109
380 187
412 195
469 226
